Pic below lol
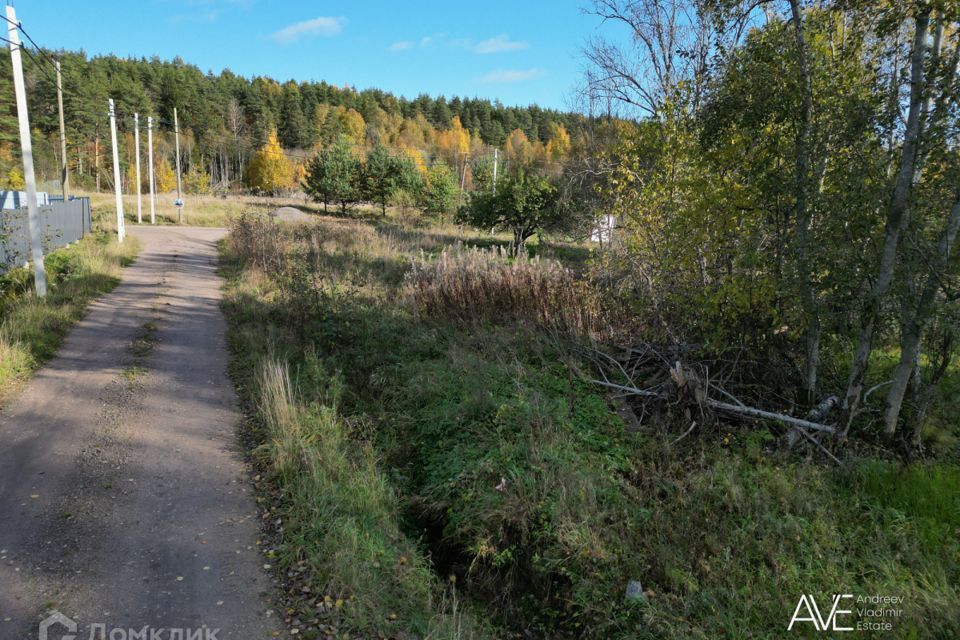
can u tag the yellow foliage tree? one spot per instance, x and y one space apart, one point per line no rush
299 174
352 125
386 127
130 175
416 133
417 158
558 142
14 180
453 143
269 170
518 151
197 181
166 181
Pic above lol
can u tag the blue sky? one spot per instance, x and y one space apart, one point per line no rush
521 52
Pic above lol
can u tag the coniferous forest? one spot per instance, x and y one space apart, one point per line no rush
225 118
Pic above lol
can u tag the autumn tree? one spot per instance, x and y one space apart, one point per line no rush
517 152
269 170
166 180
352 125
453 145
13 180
197 181
558 142
792 190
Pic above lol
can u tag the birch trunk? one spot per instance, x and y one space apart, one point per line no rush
898 215
808 296
913 327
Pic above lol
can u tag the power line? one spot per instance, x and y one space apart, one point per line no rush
19 25
35 45
26 49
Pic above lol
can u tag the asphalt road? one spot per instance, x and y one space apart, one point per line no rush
124 501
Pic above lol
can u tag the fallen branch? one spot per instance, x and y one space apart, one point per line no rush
809 437
768 415
726 407
630 391
685 433
817 414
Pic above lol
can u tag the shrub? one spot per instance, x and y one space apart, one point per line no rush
197 181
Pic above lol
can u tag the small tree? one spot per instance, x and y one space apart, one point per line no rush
13 180
166 181
197 181
524 204
385 174
440 191
334 175
269 170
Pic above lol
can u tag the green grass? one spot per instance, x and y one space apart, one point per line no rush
927 494
471 450
32 329
340 517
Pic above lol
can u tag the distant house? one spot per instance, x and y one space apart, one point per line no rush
18 199
603 230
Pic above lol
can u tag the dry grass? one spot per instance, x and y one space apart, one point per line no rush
467 284
198 211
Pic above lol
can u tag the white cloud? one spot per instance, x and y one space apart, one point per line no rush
321 26
202 16
498 44
406 45
502 76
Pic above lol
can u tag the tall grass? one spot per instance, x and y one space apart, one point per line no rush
198 210
340 518
469 284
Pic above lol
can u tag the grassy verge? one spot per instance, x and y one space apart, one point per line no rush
199 211
31 329
440 470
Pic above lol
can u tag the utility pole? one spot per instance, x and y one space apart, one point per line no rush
96 156
136 141
176 130
496 157
150 168
116 172
26 147
64 177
